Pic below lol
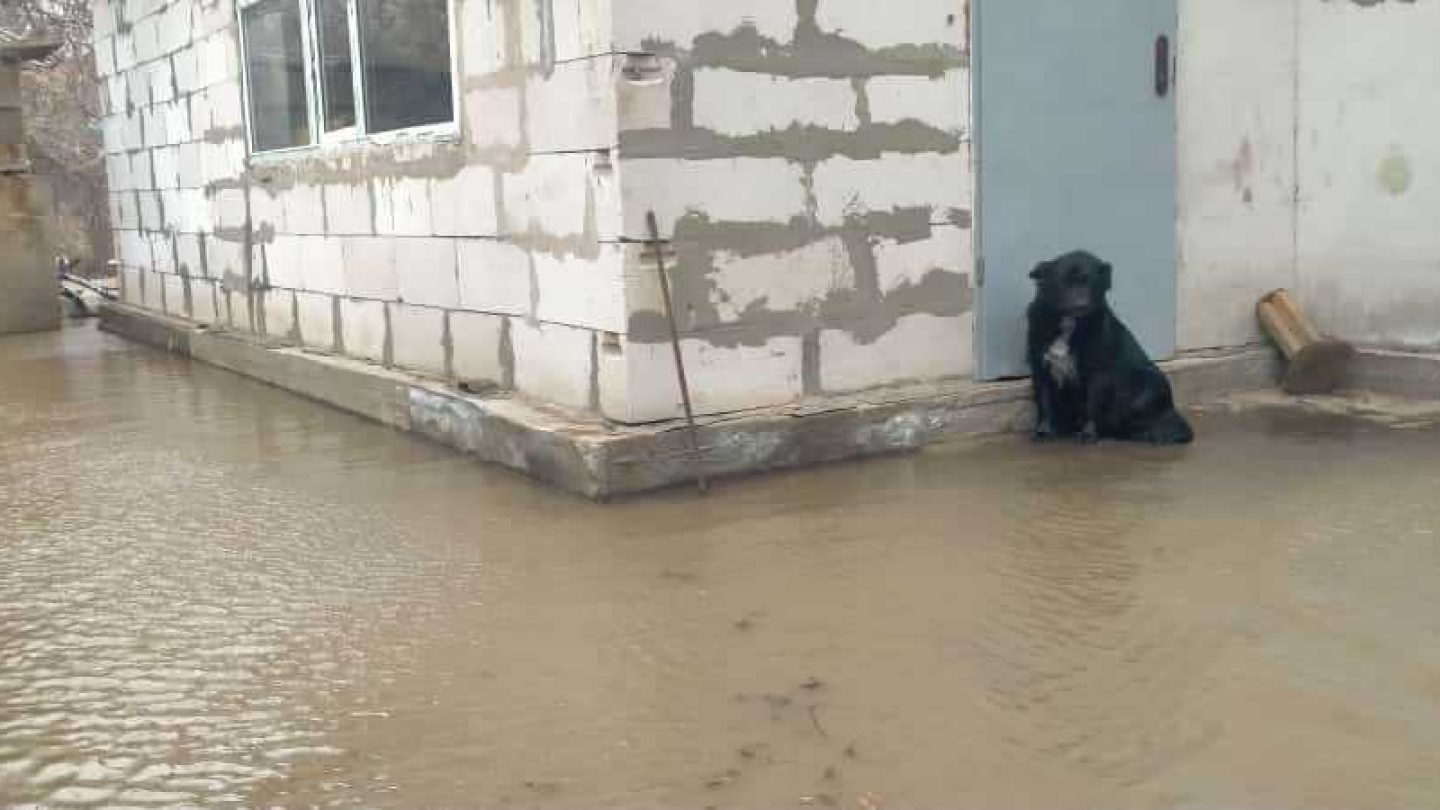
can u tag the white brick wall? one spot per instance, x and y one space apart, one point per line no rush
464 205
134 249
190 167
124 51
739 190
573 108
898 264
142 170
227 208
162 253
582 28
550 196
494 276
117 167
426 272
493 117
669 21
323 263
303 212
185 63
845 187
404 207
175 296
177 121
154 289
238 306
105 68
581 291
552 362
362 327
475 347
149 210
739 103
131 279
644 93
639 383
919 347
418 335
165 163
188 254
223 257
917 22
316 320
103 18
781 282
348 210
421 249
284 263
280 314
201 119
203 302
938 102
369 263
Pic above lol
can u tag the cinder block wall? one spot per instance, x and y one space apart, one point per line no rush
809 164
494 256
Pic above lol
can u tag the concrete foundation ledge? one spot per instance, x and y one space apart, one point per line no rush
596 459
1401 374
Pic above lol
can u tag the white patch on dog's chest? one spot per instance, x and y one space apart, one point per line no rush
1059 358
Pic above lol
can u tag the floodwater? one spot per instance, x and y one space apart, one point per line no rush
213 593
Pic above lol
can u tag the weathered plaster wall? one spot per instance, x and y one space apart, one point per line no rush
1369 169
809 164
1308 135
1236 165
493 257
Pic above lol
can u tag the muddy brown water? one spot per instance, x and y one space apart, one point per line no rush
214 593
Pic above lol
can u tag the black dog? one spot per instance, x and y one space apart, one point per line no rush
1092 380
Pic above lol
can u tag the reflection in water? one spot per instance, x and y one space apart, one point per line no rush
215 593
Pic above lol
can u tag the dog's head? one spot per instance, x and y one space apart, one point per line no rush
1073 285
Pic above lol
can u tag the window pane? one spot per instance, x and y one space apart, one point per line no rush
406 56
275 69
337 80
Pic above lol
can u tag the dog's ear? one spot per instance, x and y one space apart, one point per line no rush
1040 270
1105 273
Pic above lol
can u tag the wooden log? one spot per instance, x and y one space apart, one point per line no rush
1317 364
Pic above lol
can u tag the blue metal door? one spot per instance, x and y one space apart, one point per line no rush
1075 144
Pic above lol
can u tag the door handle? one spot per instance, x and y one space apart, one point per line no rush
1162 66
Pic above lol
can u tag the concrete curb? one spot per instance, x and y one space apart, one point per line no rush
1403 374
596 459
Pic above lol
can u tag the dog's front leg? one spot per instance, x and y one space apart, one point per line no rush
1097 393
1046 403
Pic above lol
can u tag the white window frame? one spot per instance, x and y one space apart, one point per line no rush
356 135
246 101
355 131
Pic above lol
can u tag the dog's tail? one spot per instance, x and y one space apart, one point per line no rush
1170 428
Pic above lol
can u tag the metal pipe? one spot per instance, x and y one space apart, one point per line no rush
694 431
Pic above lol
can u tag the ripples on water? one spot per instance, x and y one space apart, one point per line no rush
212 593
